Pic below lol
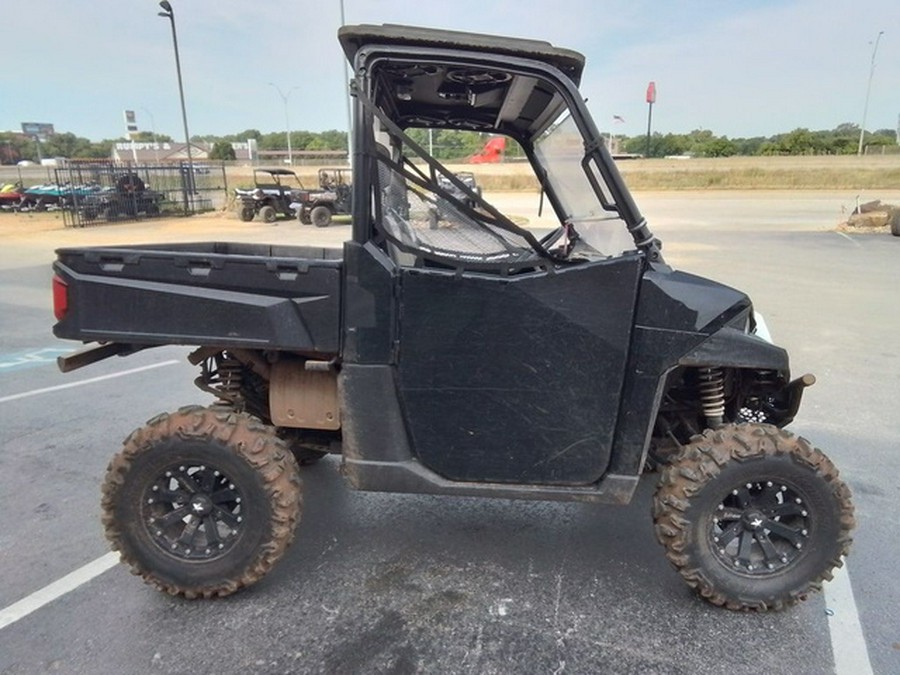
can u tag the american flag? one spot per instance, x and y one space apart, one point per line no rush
618 118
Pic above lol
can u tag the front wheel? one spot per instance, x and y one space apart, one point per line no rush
753 517
202 502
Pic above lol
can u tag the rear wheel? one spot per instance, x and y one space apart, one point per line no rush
268 214
753 517
246 213
202 502
320 216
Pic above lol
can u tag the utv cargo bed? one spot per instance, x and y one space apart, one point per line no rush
216 293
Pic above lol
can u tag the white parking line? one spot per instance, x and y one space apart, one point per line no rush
848 644
47 594
69 385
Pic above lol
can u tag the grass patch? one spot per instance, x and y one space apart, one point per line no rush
727 173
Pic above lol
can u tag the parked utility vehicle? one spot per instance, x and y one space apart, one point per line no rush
451 351
333 198
272 193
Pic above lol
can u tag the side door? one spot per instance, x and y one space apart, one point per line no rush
515 379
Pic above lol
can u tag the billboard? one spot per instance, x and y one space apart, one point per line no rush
39 129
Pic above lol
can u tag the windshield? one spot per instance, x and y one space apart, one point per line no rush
560 154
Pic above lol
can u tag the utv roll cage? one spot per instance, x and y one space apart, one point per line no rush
503 91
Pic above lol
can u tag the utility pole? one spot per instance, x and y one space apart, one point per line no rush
862 127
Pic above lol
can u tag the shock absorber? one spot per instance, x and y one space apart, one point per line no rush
228 389
712 395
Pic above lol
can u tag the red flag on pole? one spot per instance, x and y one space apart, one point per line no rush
651 92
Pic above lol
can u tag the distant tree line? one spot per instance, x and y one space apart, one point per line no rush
277 140
842 140
450 145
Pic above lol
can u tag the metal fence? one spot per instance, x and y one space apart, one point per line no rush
93 192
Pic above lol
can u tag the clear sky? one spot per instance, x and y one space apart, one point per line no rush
736 67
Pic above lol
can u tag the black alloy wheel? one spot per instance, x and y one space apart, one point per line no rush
753 517
193 511
202 502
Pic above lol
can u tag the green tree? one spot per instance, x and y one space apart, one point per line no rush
15 147
222 150
70 146
660 145
717 147
749 146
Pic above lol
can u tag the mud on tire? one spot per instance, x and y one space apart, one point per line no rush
202 502
753 517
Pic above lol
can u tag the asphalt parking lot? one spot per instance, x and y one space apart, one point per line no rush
402 584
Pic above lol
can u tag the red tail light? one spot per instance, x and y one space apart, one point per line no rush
60 298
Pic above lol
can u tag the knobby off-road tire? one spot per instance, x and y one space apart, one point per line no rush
753 517
202 502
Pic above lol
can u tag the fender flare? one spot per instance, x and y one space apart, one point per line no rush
732 348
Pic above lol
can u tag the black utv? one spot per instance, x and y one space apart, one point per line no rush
270 197
448 350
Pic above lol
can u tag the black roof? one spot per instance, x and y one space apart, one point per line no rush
353 38
277 172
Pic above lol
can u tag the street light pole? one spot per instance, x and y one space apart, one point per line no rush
287 120
862 128
169 14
